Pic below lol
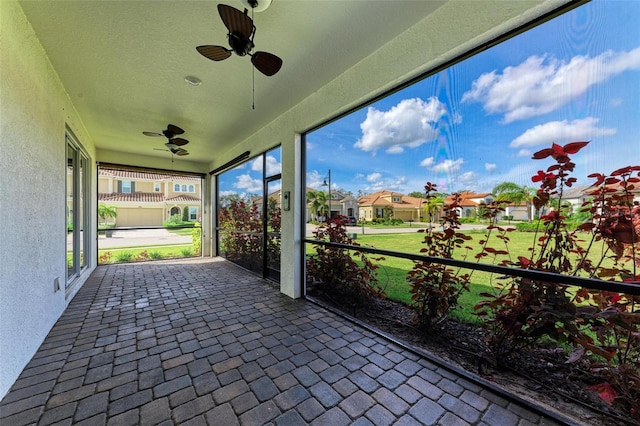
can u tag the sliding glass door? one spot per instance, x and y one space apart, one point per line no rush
77 219
248 218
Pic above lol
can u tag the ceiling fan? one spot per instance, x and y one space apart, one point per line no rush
240 36
173 144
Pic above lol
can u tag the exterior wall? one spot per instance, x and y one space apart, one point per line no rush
518 213
34 110
172 193
144 186
103 185
406 215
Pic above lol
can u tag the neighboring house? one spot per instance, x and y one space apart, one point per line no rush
519 212
575 197
372 206
470 203
149 199
344 205
340 205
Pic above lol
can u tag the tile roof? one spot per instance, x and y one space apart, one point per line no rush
133 175
385 198
146 197
140 197
184 198
467 198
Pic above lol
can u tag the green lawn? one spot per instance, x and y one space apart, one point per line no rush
132 254
180 231
392 271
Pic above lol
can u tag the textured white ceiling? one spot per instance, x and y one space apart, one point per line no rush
123 63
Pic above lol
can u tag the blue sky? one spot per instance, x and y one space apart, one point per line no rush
476 124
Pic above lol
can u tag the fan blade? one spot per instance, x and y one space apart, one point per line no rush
160 149
181 152
174 130
215 53
267 63
152 134
178 141
236 21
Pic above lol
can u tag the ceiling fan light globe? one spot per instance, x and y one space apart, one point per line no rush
256 5
171 146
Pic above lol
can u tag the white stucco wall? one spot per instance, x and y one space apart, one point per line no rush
34 109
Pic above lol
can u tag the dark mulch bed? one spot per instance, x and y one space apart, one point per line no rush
539 375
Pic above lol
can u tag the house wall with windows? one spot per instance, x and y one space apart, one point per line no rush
470 203
373 206
149 199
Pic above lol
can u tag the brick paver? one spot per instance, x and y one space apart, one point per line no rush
200 341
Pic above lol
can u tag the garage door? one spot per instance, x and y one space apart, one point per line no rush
133 217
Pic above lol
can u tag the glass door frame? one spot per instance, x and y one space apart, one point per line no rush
268 273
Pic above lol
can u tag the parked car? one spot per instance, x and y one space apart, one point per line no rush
340 219
352 220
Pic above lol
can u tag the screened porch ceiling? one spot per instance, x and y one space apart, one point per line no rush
124 63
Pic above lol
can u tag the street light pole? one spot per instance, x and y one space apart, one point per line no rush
329 192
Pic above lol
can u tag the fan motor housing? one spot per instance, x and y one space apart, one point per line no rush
242 46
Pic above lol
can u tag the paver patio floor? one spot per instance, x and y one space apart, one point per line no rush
203 342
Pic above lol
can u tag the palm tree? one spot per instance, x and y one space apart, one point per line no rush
106 212
433 206
514 193
318 202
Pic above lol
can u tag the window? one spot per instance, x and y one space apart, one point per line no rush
184 188
126 186
193 213
156 187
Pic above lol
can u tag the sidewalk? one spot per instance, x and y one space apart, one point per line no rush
141 238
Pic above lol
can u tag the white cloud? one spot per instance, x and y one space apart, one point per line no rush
247 183
376 182
561 132
524 153
467 178
542 84
428 162
315 179
374 177
410 123
490 166
446 166
615 102
273 166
